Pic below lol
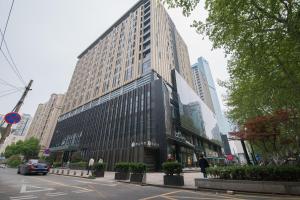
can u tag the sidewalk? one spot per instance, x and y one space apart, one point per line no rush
152 178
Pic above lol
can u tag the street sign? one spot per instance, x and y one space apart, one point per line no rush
12 118
46 152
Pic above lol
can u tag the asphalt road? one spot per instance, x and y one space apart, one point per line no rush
55 187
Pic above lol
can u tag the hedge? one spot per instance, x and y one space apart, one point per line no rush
122 167
78 165
171 168
256 173
138 167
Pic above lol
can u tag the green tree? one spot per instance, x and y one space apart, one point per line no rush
262 38
28 148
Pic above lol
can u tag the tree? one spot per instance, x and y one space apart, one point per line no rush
270 135
262 38
28 148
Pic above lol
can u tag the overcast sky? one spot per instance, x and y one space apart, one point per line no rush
45 38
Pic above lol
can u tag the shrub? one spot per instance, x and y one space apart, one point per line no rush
76 157
99 166
256 173
122 167
56 164
171 168
138 167
14 161
78 165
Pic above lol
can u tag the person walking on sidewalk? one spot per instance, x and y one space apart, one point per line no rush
203 164
91 163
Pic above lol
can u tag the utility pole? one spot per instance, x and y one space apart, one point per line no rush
16 109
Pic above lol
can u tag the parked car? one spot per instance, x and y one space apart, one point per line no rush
33 166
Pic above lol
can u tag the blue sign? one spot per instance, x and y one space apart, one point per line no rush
12 118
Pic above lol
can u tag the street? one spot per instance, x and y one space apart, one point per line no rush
19 187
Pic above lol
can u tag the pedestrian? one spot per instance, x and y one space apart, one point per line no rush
203 164
91 163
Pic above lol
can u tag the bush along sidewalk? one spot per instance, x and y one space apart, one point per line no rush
138 172
172 171
122 171
99 169
256 173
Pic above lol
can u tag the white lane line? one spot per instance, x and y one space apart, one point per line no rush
30 188
103 183
87 182
81 191
55 194
23 197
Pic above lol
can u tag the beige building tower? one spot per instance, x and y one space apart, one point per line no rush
143 39
45 119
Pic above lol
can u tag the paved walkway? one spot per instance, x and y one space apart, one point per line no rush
153 178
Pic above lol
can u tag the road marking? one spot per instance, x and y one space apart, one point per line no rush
23 197
87 182
24 189
55 194
58 183
201 198
81 191
161 195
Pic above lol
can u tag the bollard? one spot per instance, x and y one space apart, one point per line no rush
68 172
74 173
81 173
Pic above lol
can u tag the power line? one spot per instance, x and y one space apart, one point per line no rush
8 84
12 4
5 91
14 67
9 93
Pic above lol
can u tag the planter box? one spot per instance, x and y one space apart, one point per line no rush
98 173
176 180
122 175
138 177
250 186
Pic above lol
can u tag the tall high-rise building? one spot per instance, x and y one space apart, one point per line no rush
206 89
201 85
122 103
143 39
45 119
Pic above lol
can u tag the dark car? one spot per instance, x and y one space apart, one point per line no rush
33 167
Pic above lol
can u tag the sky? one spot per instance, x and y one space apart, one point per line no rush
45 38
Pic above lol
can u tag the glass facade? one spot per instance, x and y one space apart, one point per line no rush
194 113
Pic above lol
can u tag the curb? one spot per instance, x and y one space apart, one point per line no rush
206 189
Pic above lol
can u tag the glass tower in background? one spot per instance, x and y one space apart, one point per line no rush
203 67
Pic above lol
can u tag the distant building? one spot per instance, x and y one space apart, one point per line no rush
18 131
201 85
226 146
206 89
22 127
45 119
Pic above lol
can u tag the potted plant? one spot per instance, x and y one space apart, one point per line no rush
138 172
122 171
172 171
99 169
